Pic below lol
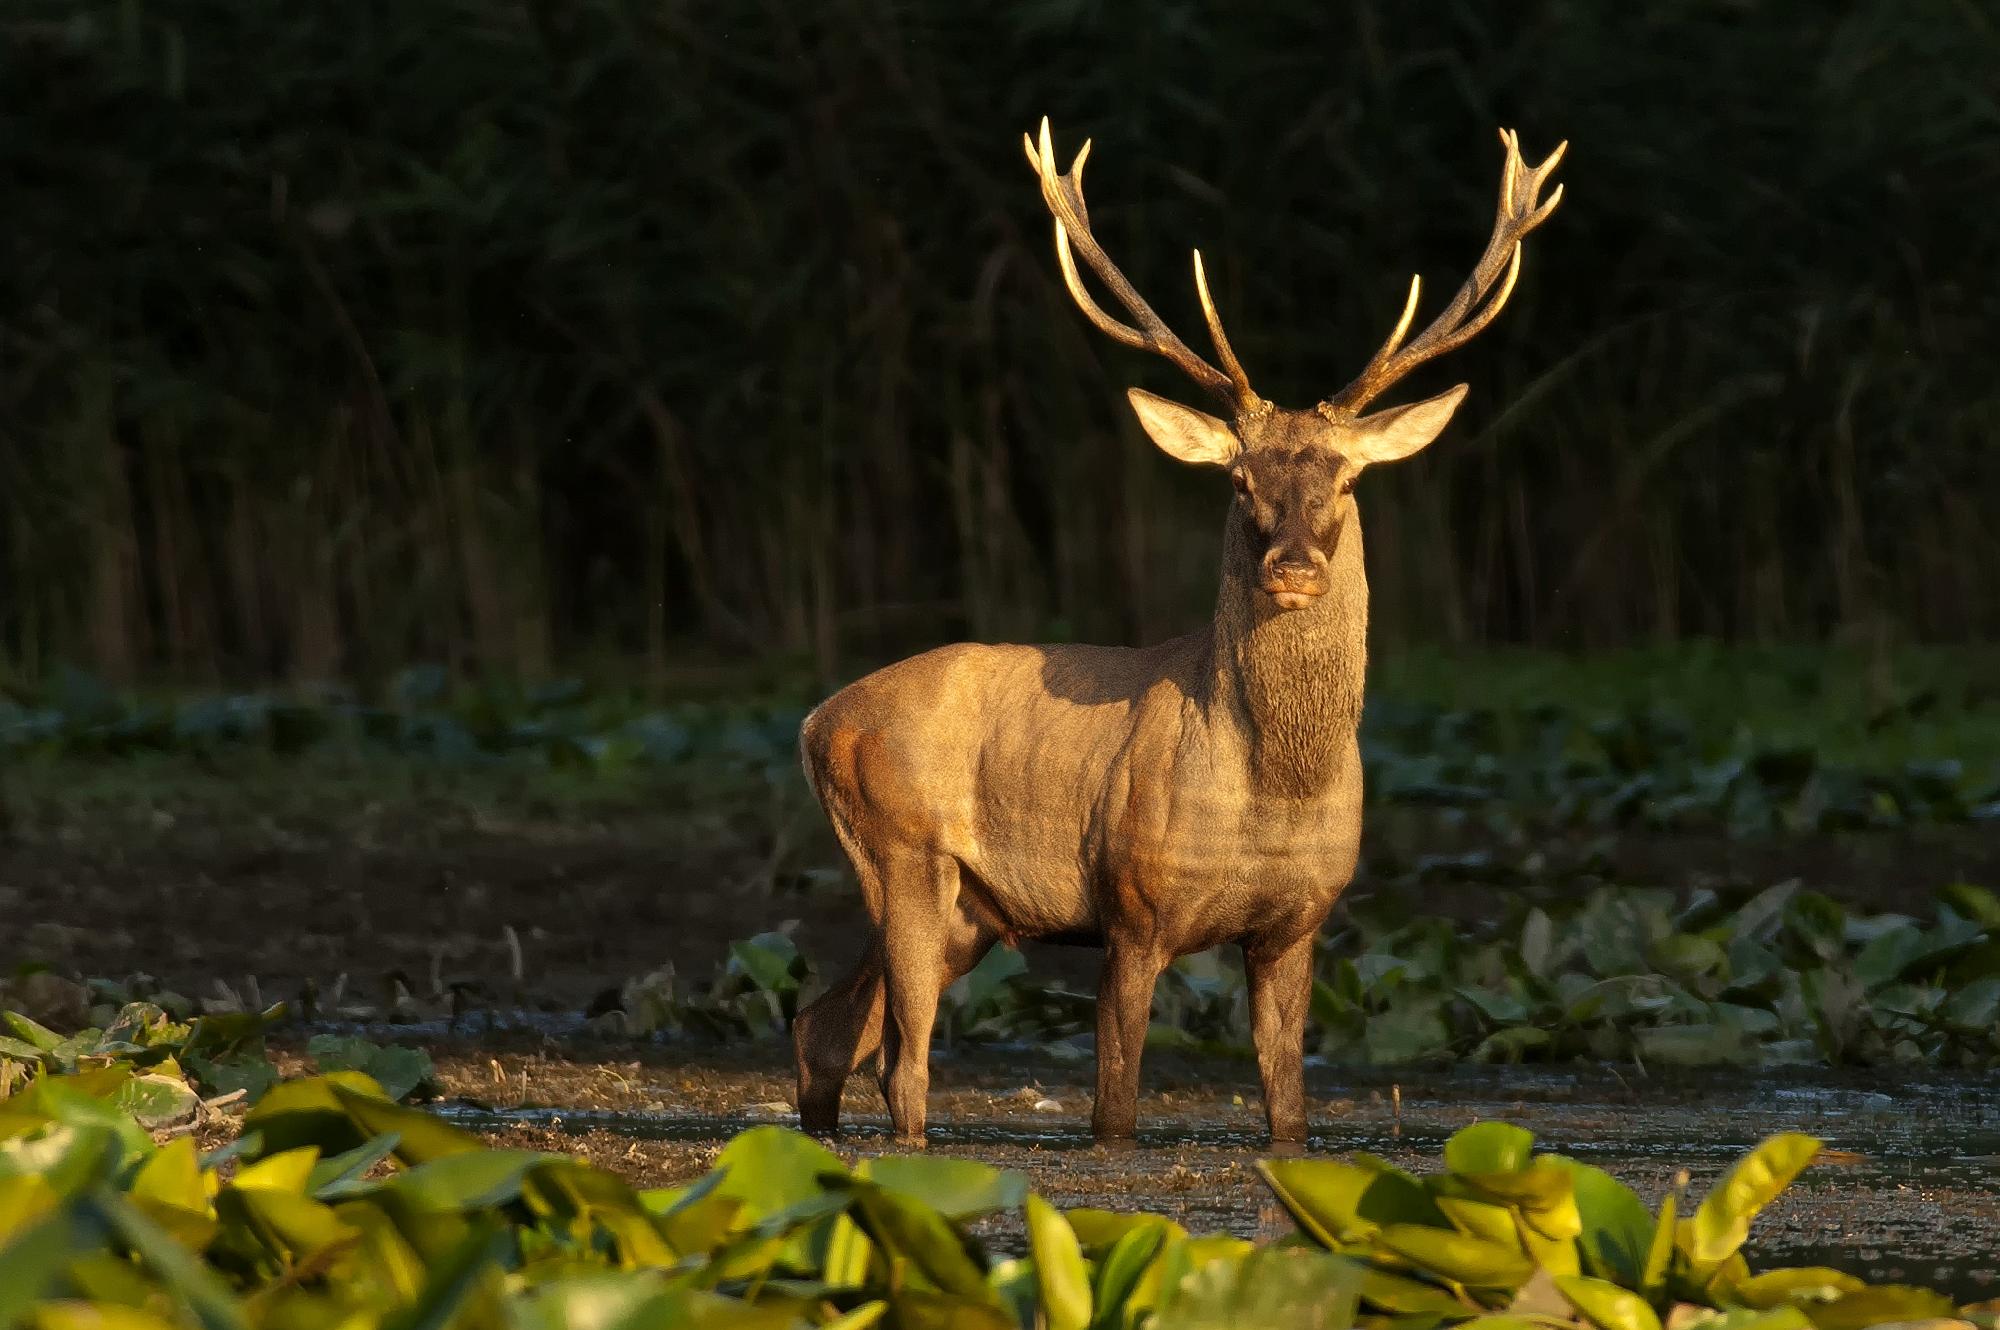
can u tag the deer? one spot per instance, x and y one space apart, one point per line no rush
1155 801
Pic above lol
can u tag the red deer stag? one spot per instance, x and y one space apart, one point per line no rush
1159 801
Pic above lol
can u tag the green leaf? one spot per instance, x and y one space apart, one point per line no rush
1457 1256
469 1180
1660 1252
1489 1147
1116 1293
1616 1228
308 1112
420 1137
32 1259
1059 1268
331 1179
955 1188
918 1234
454 1280
1721 1223
249 1072
1880 1304
172 1177
1775 1288
1274 1286
398 1070
1406 1297
1607 1306
1337 1203
177 1268
36 1035
769 1168
767 960
157 1101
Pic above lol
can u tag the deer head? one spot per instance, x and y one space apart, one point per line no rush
1294 470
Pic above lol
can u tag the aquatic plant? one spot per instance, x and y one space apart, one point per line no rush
337 1206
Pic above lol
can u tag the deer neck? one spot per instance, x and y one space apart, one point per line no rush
1291 681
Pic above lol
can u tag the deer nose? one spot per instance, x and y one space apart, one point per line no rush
1294 577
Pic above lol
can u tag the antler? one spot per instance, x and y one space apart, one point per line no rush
1465 316
1064 196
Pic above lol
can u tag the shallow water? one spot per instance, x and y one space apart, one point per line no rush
1910 1191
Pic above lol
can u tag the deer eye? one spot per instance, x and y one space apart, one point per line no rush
1241 480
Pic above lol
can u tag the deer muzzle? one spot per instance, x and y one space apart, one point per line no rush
1294 579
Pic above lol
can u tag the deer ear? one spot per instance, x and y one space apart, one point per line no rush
1183 433
1399 432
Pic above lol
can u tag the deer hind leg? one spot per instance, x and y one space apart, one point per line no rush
928 941
835 1034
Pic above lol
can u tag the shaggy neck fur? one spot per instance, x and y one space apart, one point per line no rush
1294 679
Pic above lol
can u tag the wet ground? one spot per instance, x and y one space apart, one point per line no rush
1908 1191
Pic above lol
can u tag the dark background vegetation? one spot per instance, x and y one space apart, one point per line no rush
338 335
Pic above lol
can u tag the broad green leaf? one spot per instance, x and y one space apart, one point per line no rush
1099 1230
288 1171
469 1180
1120 1270
848 1255
1616 1229
860 1318
1607 1306
1059 1268
1336 1202
1274 1286
157 1101
1775 1288
770 1168
308 1112
398 1070
333 1178
455 1280
1489 1147
191 1281
1457 1257
33 1258
81 1315
1880 1304
599 1300
918 1309
1721 1222
955 1188
1480 1219
1403 1296
916 1233
420 1137
1660 1251
36 1035
297 1228
70 1159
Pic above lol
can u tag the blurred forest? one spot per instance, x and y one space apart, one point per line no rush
523 335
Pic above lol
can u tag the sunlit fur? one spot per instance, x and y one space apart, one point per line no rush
1159 801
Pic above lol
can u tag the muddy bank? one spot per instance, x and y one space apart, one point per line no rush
1908 1191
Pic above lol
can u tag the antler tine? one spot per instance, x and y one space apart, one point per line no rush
1471 309
1064 196
1238 377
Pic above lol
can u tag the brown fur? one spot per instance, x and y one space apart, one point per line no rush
1160 801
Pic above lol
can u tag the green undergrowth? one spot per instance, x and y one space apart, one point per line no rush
159 1069
1781 976
337 1206
1738 741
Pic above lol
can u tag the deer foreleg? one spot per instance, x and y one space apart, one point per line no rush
1124 1005
1280 996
